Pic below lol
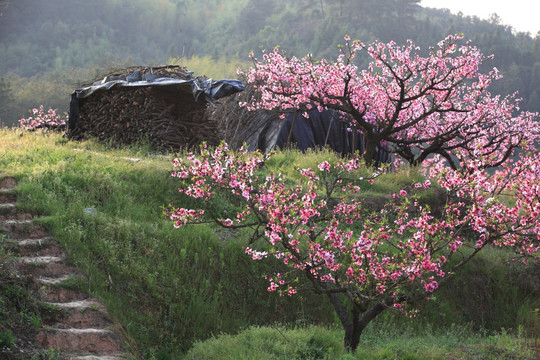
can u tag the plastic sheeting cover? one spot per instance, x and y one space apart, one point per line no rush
203 89
321 129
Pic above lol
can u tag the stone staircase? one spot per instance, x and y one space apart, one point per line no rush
82 328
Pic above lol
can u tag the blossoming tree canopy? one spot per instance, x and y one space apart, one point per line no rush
415 105
365 262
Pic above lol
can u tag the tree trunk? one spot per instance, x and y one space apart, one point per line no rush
343 316
352 337
370 149
352 322
360 323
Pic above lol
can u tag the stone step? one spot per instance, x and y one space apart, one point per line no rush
83 320
94 341
54 293
50 249
39 260
54 280
36 243
7 208
19 229
17 222
51 269
7 183
7 197
80 315
99 357
13 215
51 289
77 305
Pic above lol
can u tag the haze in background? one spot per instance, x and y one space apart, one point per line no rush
49 48
523 15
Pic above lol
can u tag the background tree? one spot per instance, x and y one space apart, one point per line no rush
6 98
253 16
414 105
49 38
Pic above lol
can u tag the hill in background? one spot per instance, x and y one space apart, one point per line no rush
48 49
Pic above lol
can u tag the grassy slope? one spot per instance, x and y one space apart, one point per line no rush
167 286
170 287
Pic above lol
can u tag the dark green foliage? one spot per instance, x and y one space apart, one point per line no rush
7 340
491 293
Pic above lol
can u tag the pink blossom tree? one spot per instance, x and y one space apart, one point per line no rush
365 261
415 105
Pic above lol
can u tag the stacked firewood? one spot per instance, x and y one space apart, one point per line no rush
166 116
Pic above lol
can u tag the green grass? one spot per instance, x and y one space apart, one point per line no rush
272 343
287 162
267 343
492 292
173 287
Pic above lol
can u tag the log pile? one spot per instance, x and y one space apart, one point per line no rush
166 116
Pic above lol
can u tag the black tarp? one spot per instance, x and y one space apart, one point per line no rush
203 89
328 128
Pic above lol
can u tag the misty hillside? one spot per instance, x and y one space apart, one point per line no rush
48 48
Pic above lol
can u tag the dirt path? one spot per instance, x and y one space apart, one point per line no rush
81 326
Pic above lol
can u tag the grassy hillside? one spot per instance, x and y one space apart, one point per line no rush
173 287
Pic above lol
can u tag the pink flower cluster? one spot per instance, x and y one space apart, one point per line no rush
338 244
42 119
504 205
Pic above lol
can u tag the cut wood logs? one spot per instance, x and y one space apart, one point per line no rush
167 117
